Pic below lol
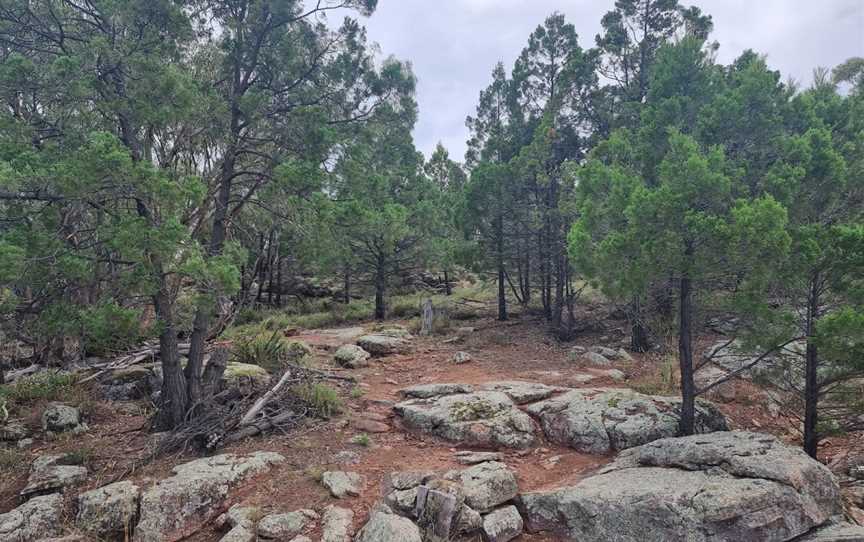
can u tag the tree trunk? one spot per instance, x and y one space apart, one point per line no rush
811 376
502 275
278 281
174 399
638 333
447 289
380 290
427 318
685 355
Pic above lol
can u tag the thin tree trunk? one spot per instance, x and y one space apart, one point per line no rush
685 355
347 286
278 280
380 290
502 275
447 290
638 333
811 384
174 398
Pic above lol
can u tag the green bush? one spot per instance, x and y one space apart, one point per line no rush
44 386
108 328
271 351
322 399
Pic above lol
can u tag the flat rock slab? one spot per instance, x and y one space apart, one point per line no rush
486 485
330 338
178 506
601 420
351 356
522 392
503 525
110 511
381 344
50 473
473 458
337 524
483 419
840 532
286 525
425 391
706 488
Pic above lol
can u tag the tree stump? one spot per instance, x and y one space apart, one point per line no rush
427 318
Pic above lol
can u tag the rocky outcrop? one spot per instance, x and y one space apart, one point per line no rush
425 391
716 487
38 518
837 532
522 392
482 419
383 343
447 506
177 506
52 473
109 512
351 356
601 420
503 524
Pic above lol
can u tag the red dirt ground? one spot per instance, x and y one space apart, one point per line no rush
520 350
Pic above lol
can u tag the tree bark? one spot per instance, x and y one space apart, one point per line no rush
380 289
174 398
447 289
638 334
347 286
685 355
502 275
811 376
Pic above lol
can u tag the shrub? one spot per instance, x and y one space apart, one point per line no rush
108 327
362 440
270 351
323 400
44 386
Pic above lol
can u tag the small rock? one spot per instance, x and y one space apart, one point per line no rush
351 355
624 355
369 426
614 374
473 458
389 528
462 331
596 359
303 538
503 524
402 501
337 525
857 472
59 418
342 484
110 511
24 443
285 526
469 520
382 344
461 357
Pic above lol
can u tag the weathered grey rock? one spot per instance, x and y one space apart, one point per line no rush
425 391
402 501
461 357
177 506
381 344
837 532
24 443
613 374
473 458
481 419
285 526
395 330
857 472
486 485
351 355
241 519
244 532
438 505
470 520
342 484
110 511
131 383
600 420
406 479
595 359
502 525
303 538
60 418
40 517
50 473
522 392
337 525
389 528
606 352
717 487
13 431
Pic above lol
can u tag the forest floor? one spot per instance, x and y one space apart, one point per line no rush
117 445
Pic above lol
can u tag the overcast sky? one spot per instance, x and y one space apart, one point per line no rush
454 44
